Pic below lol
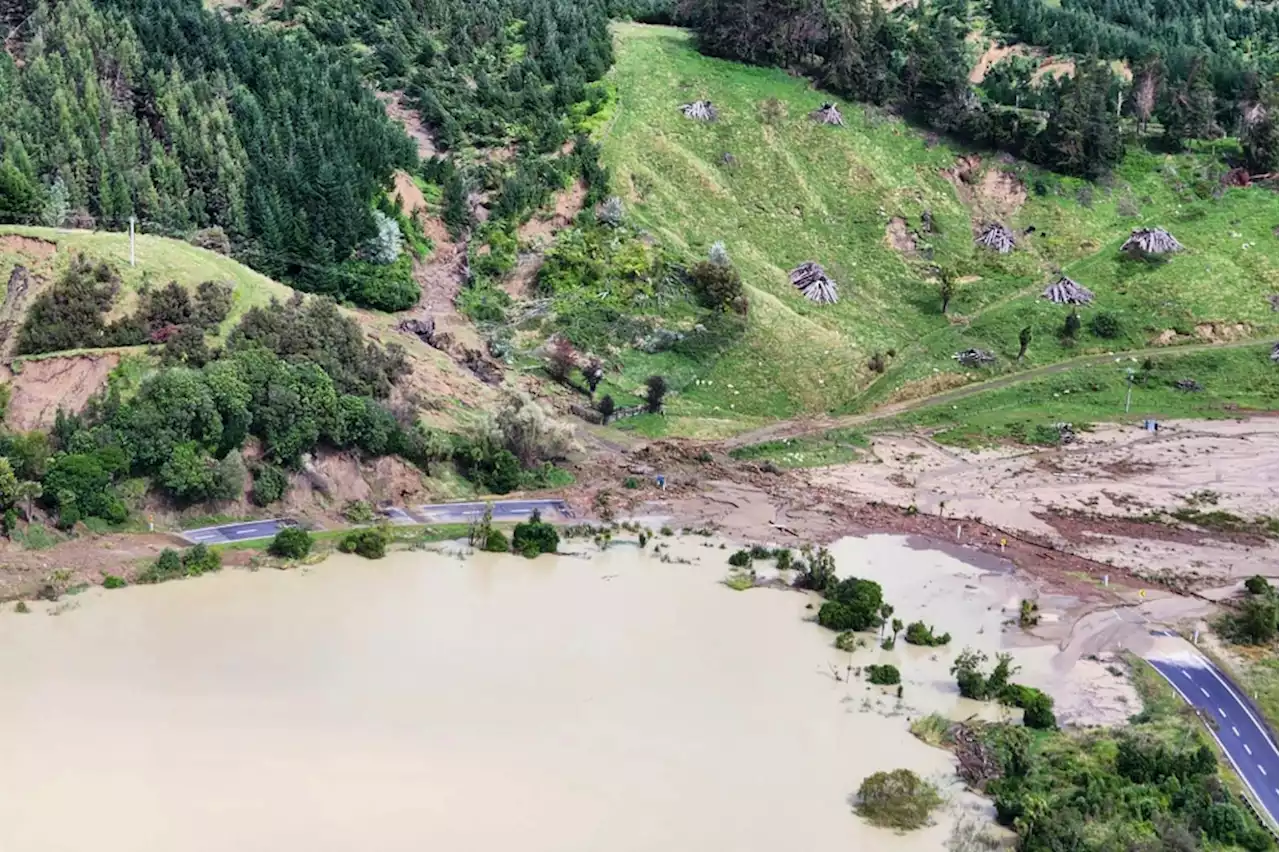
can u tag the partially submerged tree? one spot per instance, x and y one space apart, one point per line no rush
899 799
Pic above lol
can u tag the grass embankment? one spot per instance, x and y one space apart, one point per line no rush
792 190
159 261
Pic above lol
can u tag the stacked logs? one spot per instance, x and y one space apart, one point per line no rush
812 282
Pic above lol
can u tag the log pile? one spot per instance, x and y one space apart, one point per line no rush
974 357
996 237
699 111
979 764
1188 385
1064 291
813 283
1151 241
828 114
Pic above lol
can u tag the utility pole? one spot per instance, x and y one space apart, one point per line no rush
1128 394
132 262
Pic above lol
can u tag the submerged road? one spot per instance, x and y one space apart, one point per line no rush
434 513
1242 735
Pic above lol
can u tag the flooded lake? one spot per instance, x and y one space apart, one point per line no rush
606 701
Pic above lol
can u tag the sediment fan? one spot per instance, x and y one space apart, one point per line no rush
813 283
1064 291
997 238
828 114
699 111
1151 241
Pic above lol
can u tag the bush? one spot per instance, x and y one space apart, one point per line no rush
656 391
1071 326
269 484
291 543
535 536
899 799
1257 585
111 581
1028 614
369 543
1037 712
167 566
358 512
718 286
606 407
1106 325
973 683
918 633
740 559
847 641
886 675
213 239
496 542
200 560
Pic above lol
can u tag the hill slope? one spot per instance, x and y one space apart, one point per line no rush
792 190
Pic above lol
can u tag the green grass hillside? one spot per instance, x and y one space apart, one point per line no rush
792 190
159 261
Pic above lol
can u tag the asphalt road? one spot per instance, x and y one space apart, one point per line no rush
437 513
503 510
228 533
1242 735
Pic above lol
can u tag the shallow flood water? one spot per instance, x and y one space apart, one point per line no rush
599 702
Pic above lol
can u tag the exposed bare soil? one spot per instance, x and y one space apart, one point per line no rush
43 386
398 110
899 236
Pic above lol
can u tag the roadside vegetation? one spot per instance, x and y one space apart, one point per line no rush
1153 785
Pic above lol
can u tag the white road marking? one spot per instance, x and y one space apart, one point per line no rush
1260 769
1248 750
1213 733
1243 706
1186 674
1205 691
1222 713
1235 730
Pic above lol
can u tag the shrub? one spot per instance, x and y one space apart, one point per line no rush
918 633
111 581
1257 585
1106 325
269 484
167 566
817 571
213 239
718 286
1071 326
606 407
889 643
740 559
291 543
358 512
200 560
656 391
886 675
899 799
369 543
1028 614
496 542
847 641
783 559
973 683
535 536
1037 712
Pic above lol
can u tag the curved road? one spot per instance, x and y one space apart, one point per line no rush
1240 733
798 427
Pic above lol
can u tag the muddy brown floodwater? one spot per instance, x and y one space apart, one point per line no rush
597 701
